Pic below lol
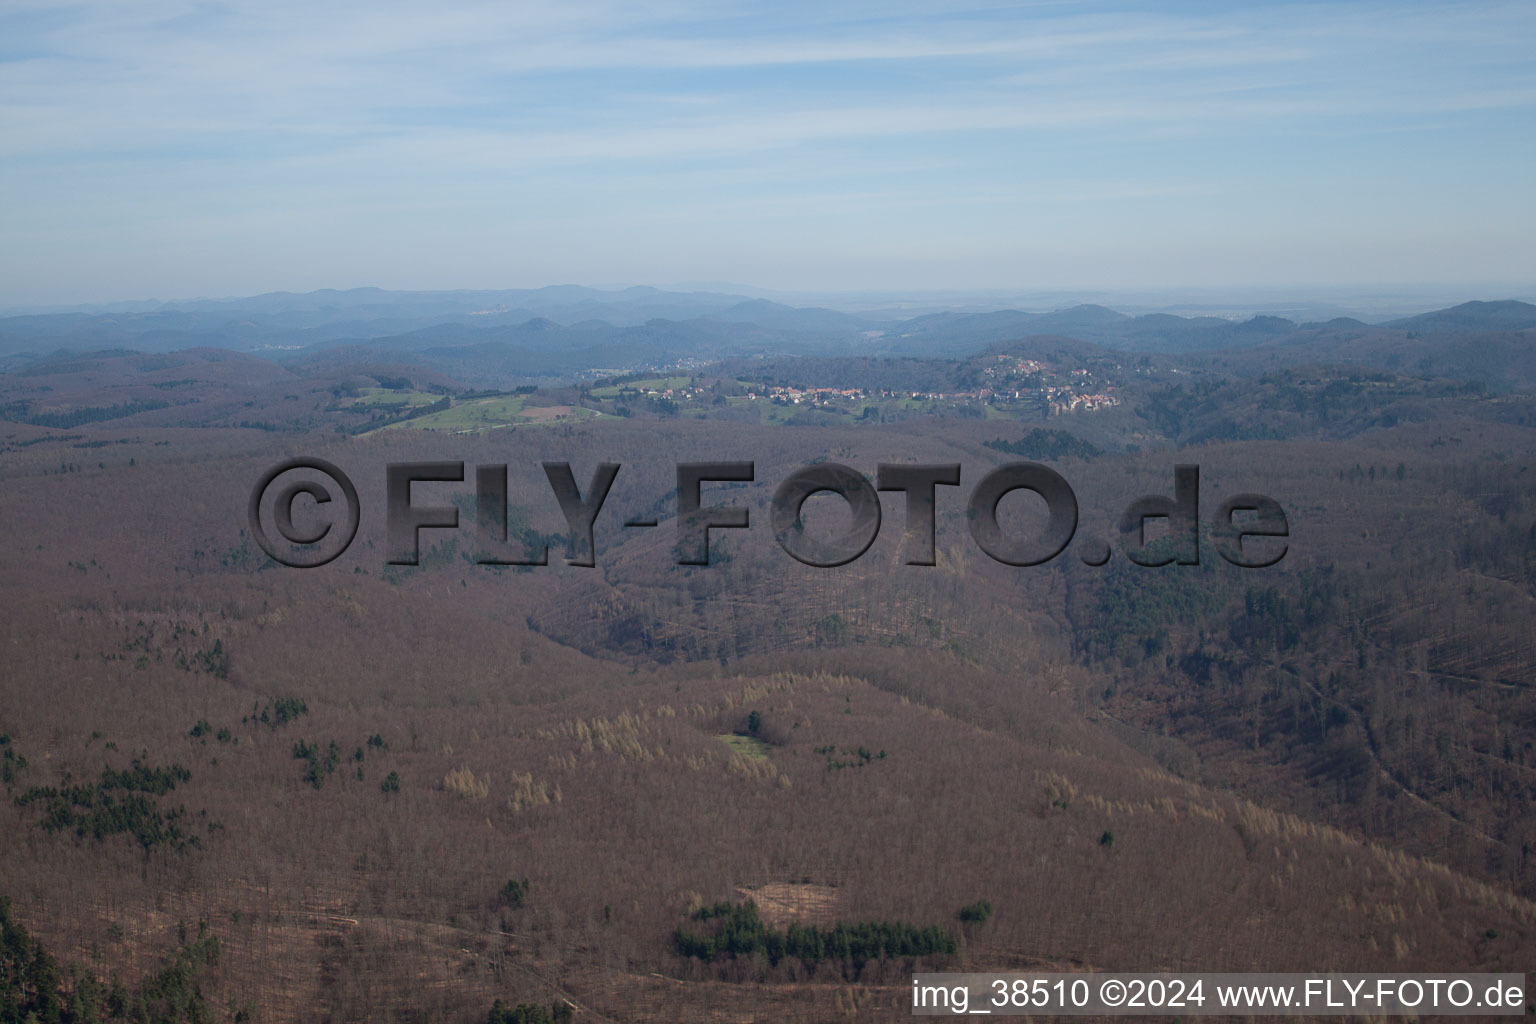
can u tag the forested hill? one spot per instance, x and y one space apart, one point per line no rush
568 331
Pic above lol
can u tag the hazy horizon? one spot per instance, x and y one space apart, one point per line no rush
1381 303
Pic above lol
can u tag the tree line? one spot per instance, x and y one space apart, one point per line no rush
741 932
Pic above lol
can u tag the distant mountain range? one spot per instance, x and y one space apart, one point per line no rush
567 330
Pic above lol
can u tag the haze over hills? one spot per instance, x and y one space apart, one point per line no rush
563 332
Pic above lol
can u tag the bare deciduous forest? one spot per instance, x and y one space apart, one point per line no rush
647 791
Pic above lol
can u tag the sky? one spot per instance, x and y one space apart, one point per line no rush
175 150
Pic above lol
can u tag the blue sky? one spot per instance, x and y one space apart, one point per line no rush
184 149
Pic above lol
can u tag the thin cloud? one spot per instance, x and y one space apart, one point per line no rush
138 123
